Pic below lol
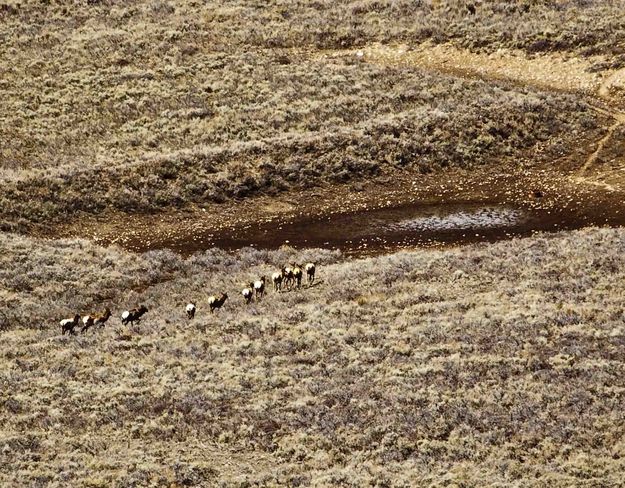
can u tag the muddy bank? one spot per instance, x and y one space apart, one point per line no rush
402 210
385 230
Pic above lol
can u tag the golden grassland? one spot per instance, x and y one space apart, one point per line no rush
497 364
489 365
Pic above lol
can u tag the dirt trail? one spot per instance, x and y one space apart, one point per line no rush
550 72
600 145
615 81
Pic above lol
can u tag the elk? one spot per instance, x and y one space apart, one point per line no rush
68 325
95 319
100 320
248 293
190 309
287 273
259 288
310 272
87 321
216 302
297 275
277 280
134 315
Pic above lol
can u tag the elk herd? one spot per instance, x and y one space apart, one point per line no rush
288 278
99 320
292 276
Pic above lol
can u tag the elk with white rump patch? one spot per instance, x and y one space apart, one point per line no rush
95 319
297 275
248 293
259 288
68 325
310 273
190 309
216 302
134 315
287 273
277 280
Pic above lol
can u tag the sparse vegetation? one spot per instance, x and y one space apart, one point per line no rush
153 105
489 365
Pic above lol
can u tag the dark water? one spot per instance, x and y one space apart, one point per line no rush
383 230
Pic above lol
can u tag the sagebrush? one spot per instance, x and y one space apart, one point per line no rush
494 365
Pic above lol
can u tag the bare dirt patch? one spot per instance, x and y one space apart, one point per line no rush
549 201
555 72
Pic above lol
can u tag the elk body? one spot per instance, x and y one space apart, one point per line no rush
277 278
297 275
134 315
95 319
287 274
259 288
310 273
248 293
68 325
216 302
190 309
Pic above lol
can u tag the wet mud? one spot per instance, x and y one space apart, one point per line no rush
379 231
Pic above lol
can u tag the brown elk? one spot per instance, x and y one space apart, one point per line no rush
134 315
310 272
297 275
248 293
68 325
216 302
277 280
259 288
287 273
95 319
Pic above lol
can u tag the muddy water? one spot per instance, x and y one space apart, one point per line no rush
383 230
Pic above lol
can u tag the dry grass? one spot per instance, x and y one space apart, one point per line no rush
490 365
152 105
496 365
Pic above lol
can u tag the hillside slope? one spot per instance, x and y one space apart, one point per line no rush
489 365
135 108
